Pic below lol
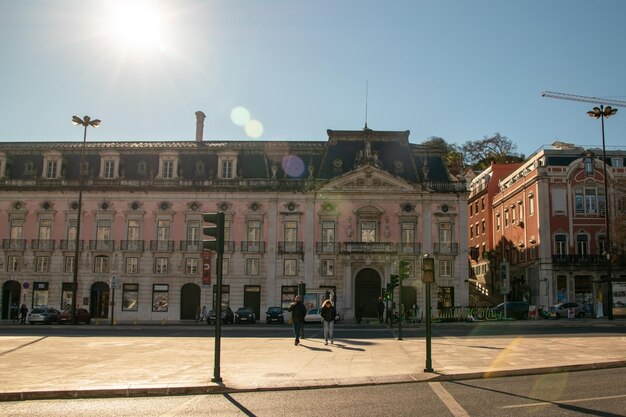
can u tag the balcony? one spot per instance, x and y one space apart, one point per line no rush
42 244
408 247
132 245
162 245
580 259
253 247
368 247
106 245
446 248
71 244
290 247
13 243
192 245
327 247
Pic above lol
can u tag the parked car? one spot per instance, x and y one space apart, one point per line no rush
227 316
82 316
245 315
314 316
274 314
514 309
44 315
562 310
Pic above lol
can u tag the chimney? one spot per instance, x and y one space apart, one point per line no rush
199 125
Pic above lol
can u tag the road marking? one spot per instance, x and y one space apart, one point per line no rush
445 397
578 400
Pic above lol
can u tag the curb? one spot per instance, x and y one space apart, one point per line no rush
222 389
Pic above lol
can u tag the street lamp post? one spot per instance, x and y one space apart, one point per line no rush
86 122
602 113
428 277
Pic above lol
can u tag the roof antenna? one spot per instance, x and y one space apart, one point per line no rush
366 85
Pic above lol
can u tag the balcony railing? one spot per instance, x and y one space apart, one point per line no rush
162 245
368 247
107 245
290 247
44 244
253 247
132 245
327 247
71 244
13 243
408 247
446 248
192 245
579 259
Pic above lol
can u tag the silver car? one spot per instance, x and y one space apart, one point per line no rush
563 309
44 315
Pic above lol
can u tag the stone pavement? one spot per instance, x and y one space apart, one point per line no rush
36 367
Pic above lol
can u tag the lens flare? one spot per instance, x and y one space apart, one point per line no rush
240 116
292 165
253 128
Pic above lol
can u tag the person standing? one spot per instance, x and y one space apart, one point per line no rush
23 313
328 313
358 313
203 314
298 311
381 309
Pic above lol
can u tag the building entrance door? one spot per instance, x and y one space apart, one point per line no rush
189 301
367 289
99 300
11 291
252 298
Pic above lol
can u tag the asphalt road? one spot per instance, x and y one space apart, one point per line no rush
589 393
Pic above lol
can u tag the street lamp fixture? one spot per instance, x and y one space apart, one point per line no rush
86 122
604 113
428 277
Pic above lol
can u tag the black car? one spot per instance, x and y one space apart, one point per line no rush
514 309
245 315
274 315
227 316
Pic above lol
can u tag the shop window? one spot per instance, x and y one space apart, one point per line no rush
40 294
287 294
160 298
67 289
445 297
130 297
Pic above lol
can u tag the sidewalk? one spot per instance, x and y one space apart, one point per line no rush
34 367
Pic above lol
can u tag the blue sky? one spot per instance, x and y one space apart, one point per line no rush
455 69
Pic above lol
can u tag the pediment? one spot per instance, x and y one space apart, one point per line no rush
366 179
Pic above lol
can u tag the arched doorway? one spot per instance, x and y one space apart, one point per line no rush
99 300
11 293
189 301
367 288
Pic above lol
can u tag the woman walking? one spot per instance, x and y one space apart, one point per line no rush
328 314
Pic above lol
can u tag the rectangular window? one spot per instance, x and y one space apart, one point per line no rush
109 169
225 266
160 298
290 267
51 169
227 168
291 231
484 224
168 169
328 267
579 201
130 297
520 212
42 264
191 266
582 245
71 233
560 244
590 200
445 232
445 268
226 230
482 203
368 231
103 230
498 222
163 230
17 229
132 265
617 162
328 236
13 263
133 231
193 231
68 264
254 231
506 218
513 215
160 266
40 294
531 205
252 266
101 264
408 232
45 229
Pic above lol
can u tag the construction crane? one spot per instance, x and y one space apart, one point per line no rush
585 99
599 113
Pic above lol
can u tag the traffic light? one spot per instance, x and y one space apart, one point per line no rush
386 295
395 281
405 270
214 229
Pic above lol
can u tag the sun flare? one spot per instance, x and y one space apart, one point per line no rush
138 24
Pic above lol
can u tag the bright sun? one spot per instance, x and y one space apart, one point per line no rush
137 24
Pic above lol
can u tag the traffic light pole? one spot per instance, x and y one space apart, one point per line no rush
400 311
218 321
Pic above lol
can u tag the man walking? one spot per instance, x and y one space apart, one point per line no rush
298 311
381 309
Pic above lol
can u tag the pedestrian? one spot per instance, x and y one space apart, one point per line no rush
23 313
358 313
298 311
198 313
328 313
203 314
14 311
380 308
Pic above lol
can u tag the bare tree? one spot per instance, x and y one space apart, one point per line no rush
496 148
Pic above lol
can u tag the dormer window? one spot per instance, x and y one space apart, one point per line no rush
109 165
588 166
227 165
168 165
52 165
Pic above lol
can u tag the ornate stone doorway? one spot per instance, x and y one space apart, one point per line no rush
367 289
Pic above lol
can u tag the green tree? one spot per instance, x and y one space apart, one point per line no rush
451 153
